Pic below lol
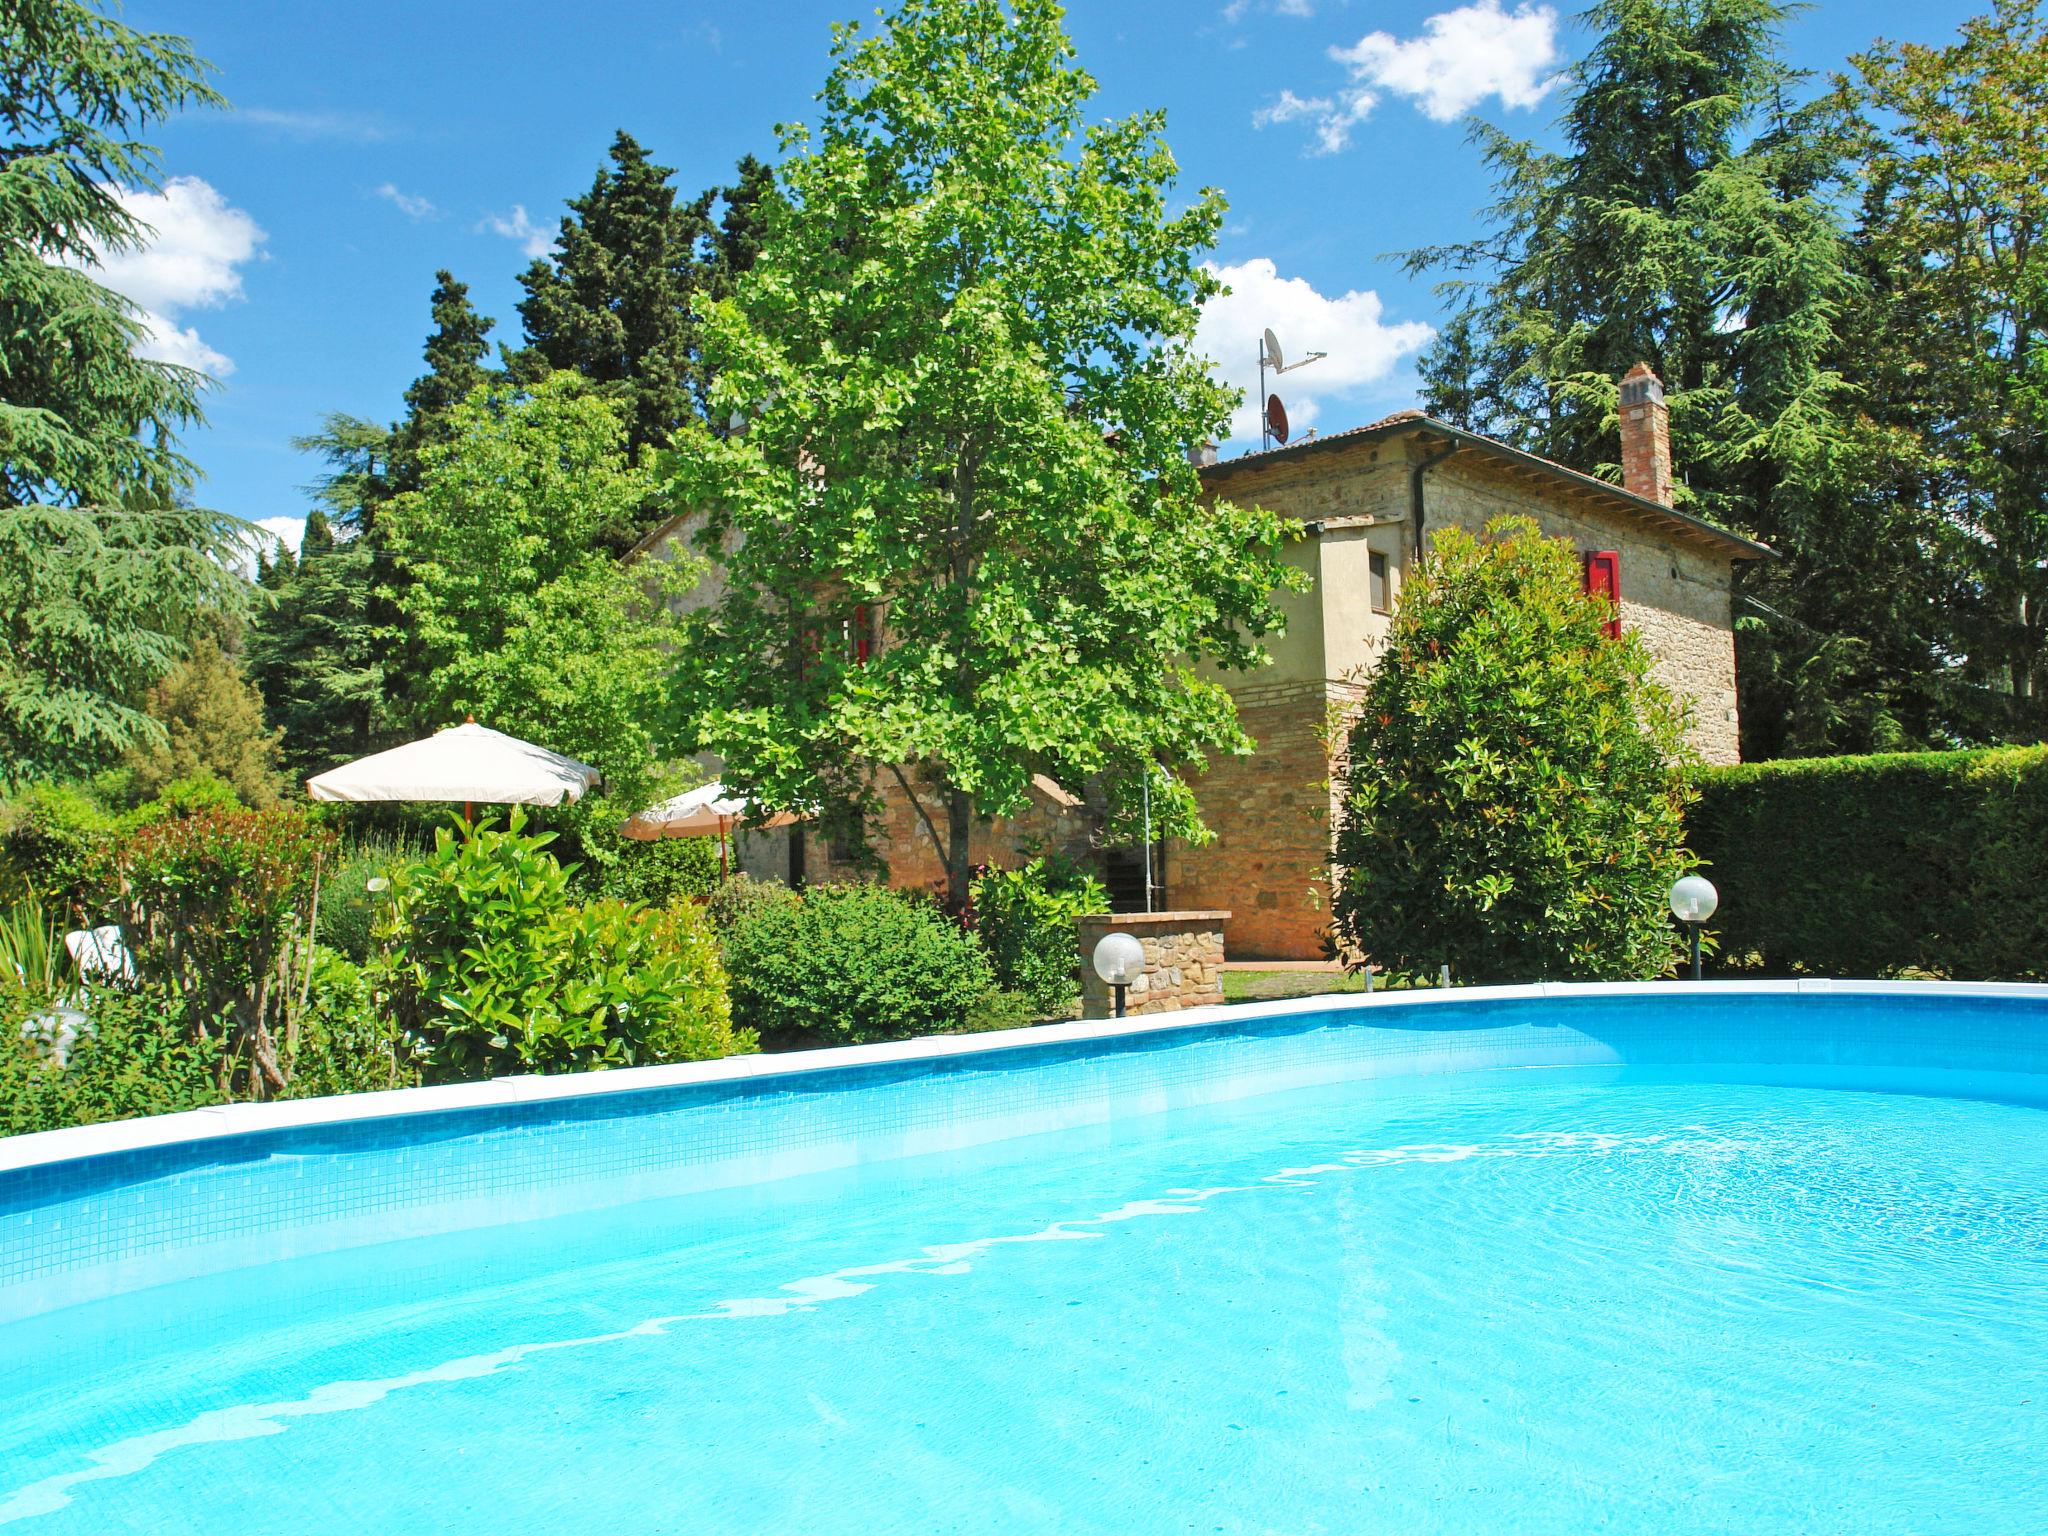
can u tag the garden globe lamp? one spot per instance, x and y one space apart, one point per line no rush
1693 900
1119 960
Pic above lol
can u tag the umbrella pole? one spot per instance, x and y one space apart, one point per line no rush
724 865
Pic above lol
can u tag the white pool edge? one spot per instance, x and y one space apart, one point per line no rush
42 1148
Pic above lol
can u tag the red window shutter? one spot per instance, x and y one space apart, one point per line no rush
1603 580
860 634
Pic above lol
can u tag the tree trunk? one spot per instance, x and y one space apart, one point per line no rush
959 825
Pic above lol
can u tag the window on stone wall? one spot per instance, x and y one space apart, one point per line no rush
1376 578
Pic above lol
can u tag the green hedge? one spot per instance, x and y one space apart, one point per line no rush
1933 862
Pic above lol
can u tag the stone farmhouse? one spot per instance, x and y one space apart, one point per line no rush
1367 501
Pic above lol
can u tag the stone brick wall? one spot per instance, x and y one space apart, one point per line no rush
1674 593
1271 815
1183 961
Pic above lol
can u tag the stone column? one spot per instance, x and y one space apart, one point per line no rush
1183 960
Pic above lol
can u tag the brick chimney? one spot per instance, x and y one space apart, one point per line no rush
1645 436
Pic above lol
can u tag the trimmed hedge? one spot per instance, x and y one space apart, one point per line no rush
1933 862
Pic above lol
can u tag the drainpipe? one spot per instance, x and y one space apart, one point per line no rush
1416 471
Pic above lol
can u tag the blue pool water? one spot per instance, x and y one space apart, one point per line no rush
1632 1297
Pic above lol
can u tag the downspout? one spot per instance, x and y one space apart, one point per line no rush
1416 471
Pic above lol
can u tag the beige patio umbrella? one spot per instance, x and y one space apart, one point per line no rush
468 762
706 811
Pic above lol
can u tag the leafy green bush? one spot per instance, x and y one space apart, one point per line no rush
346 1042
738 899
659 873
135 1054
1025 920
490 968
52 841
848 964
1873 866
348 906
1516 785
214 909
194 795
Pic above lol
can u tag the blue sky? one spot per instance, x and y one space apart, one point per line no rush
373 142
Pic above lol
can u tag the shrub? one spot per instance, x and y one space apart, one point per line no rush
848 964
137 1054
1516 784
659 873
490 968
53 839
214 909
193 795
212 719
1930 862
739 898
1025 920
347 1043
999 1009
348 907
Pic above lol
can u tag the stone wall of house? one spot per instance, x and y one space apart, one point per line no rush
1675 593
1271 815
1183 961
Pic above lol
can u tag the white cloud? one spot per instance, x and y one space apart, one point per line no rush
191 258
359 126
288 531
1333 116
533 240
1234 12
412 207
1363 349
1463 57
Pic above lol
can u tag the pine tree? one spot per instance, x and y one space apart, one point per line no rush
1690 222
315 656
105 570
1955 230
621 299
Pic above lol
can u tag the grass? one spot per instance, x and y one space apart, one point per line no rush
1265 986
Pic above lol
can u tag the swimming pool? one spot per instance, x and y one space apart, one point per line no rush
1765 1258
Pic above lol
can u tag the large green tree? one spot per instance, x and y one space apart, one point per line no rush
960 537
1955 230
102 572
1690 221
517 615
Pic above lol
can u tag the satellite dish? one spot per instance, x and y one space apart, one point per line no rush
1273 352
1276 418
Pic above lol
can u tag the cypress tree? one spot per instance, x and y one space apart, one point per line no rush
615 301
455 354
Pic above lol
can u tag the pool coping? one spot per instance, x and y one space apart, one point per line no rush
220 1122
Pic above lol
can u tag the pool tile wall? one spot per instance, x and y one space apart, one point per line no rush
75 1228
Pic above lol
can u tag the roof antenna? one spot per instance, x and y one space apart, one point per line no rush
1273 420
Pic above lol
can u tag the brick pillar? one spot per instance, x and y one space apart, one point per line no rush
1645 436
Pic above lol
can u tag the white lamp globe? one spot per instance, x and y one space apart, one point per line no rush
1119 959
1693 899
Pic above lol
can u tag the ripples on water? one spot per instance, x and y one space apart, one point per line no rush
1536 1304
